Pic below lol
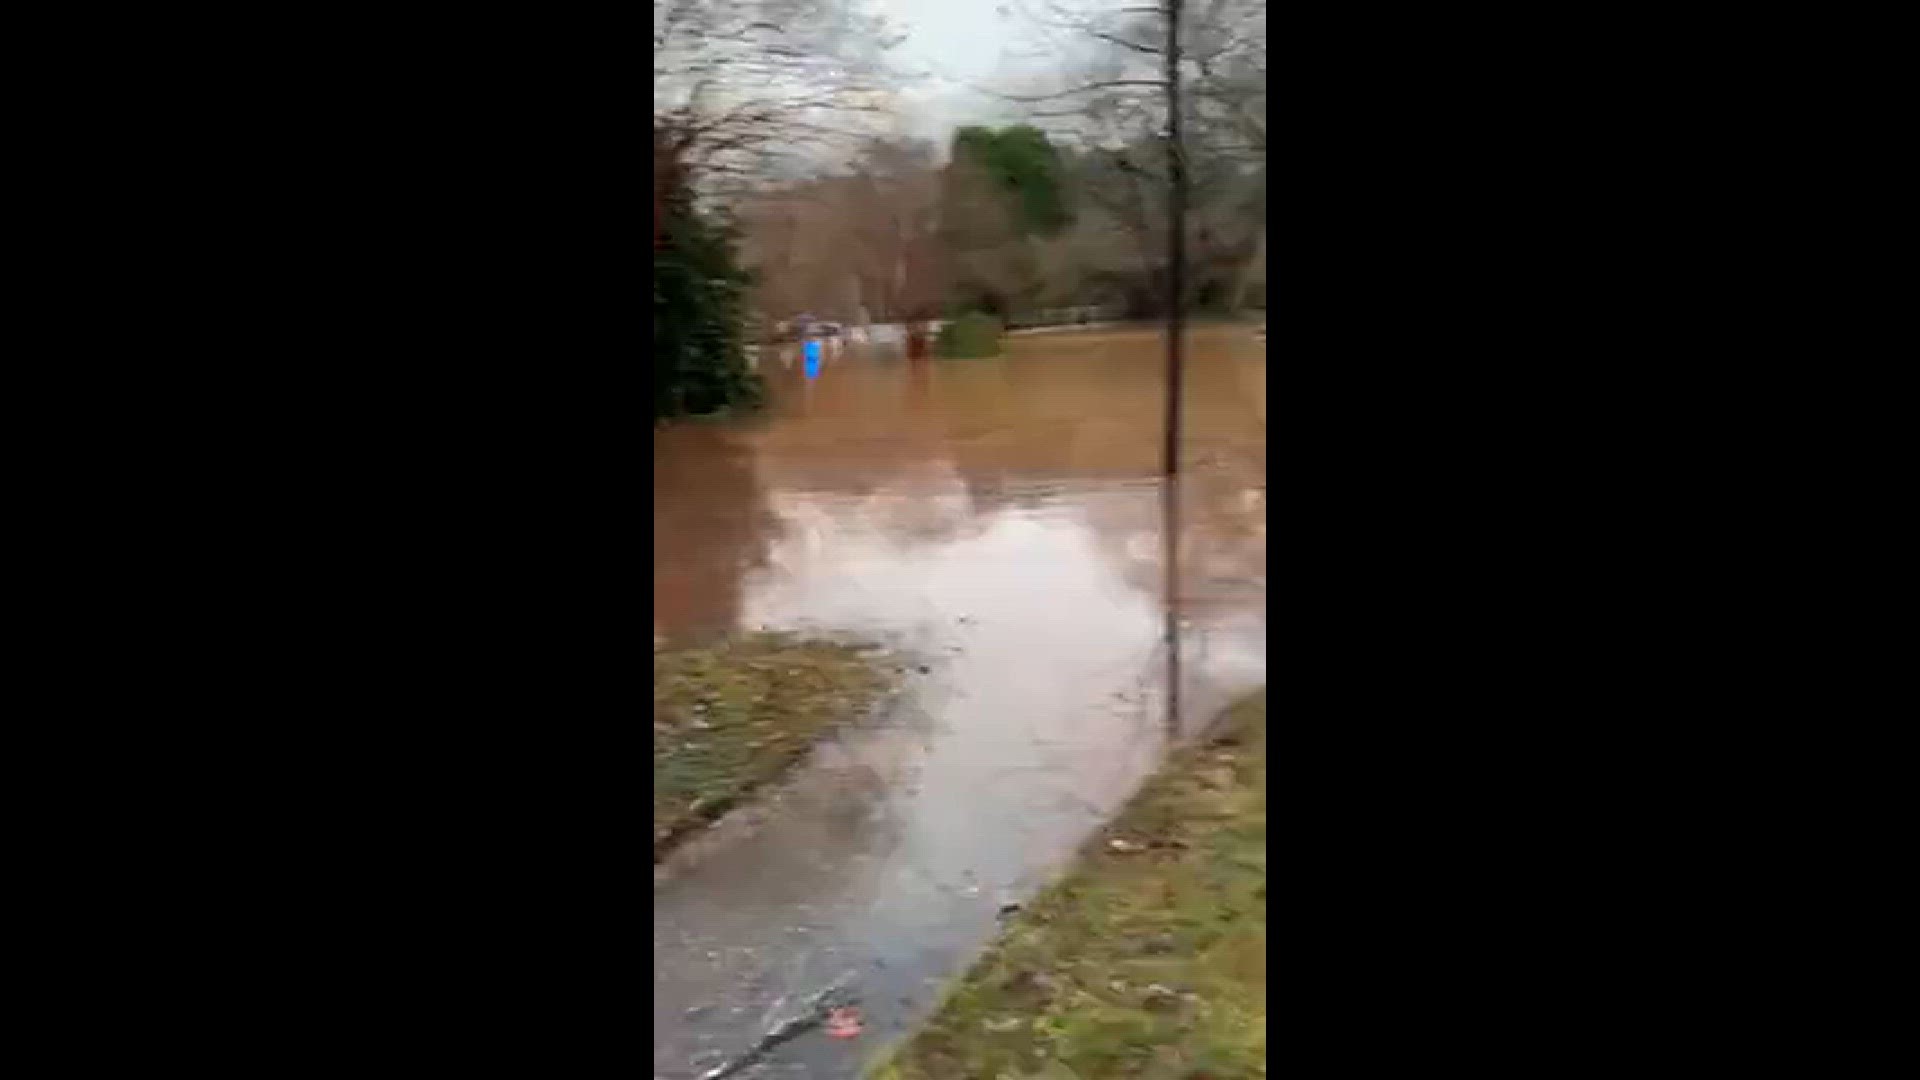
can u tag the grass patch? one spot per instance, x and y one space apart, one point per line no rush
728 718
1149 959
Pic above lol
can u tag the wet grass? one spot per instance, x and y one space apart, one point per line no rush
1148 959
730 717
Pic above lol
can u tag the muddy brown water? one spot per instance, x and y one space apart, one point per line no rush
996 522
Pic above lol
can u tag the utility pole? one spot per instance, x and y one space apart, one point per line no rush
1176 275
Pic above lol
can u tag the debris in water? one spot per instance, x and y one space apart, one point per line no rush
844 1022
1009 908
924 669
1125 847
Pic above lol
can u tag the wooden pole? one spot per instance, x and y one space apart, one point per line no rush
1176 275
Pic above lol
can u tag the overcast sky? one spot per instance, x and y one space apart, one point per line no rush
956 42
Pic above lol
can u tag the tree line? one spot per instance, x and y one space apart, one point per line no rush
1068 209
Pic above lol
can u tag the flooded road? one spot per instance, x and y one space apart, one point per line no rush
997 523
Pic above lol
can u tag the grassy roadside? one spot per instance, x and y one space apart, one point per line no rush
731 717
1148 959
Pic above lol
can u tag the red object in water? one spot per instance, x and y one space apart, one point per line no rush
843 1023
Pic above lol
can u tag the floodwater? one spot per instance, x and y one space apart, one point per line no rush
997 524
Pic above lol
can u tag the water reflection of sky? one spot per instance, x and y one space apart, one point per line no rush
889 471
1000 520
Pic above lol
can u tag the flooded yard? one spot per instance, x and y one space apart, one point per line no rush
997 524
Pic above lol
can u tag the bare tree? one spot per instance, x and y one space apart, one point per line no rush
1115 74
1189 77
1141 51
1110 100
895 192
1176 303
987 256
791 235
739 83
865 238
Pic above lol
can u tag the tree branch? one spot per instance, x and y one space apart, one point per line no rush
1089 88
1117 40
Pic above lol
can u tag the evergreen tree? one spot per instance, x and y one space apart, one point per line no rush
699 306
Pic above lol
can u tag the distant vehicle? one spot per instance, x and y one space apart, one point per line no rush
807 328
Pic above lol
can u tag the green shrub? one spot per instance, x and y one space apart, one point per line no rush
969 337
699 309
